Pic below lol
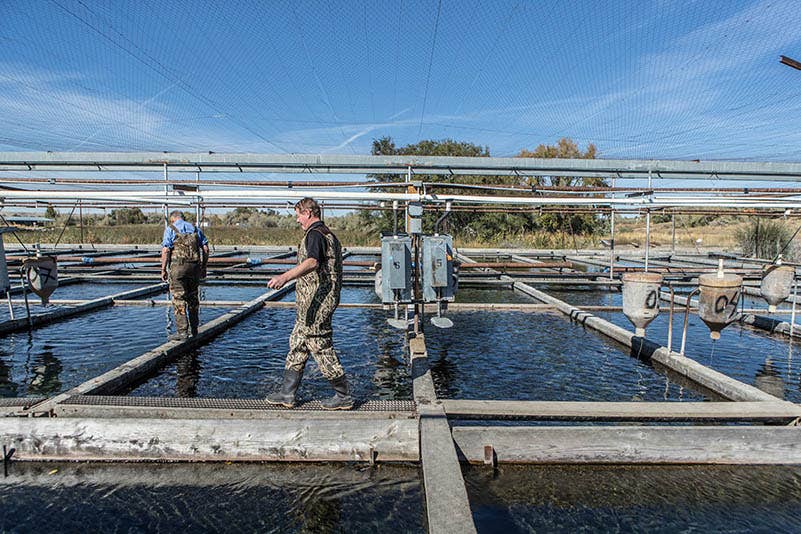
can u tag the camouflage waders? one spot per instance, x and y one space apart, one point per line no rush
317 296
184 282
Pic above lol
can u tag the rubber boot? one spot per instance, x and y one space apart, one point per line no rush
181 328
341 399
286 395
194 321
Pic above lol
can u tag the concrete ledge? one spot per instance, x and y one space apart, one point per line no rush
632 445
126 439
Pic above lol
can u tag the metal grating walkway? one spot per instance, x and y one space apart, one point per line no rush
19 402
229 404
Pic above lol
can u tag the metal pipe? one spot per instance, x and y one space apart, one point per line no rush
795 298
25 296
166 193
10 305
394 217
612 241
670 318
197 203
442 217
687 318
673 238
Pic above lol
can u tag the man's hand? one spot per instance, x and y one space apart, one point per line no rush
202 272
164 275
278 282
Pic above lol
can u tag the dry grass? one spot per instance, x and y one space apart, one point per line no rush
722 235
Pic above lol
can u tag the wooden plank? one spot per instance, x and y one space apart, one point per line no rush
447 505
55 438
622 411
633 444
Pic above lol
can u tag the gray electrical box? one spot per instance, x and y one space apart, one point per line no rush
396 269
415 221
439 277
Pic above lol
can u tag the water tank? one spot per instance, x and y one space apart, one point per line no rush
777 280
718 299
41 274
641 299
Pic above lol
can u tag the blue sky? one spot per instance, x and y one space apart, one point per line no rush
658 79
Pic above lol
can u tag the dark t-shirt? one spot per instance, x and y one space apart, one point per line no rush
316 244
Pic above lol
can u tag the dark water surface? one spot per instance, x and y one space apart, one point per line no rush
54 358
538 356
48 497
247 361
635 499
769 362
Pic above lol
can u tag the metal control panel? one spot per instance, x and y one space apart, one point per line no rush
396 269
439 279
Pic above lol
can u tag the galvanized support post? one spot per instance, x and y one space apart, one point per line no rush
197 199
648 223
792 313
673 238
166 190
80 218
612 238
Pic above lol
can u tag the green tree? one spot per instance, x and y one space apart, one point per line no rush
460 222
566 148
126 216
51 212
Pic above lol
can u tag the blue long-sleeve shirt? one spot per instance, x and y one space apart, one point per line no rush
185 228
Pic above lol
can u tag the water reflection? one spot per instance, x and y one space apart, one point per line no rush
44 371
50 497
768 380
8 388
188 368
635 498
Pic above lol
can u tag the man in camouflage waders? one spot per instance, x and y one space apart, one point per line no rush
319 282
186 251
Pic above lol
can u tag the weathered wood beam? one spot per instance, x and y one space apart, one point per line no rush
447 505
623 411
633 444
126 439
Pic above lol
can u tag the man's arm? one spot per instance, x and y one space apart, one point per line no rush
166 254
306 266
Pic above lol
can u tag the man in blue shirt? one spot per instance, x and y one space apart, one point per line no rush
184 255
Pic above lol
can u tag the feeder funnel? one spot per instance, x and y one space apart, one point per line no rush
42 276
776 283
641 299
718 299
